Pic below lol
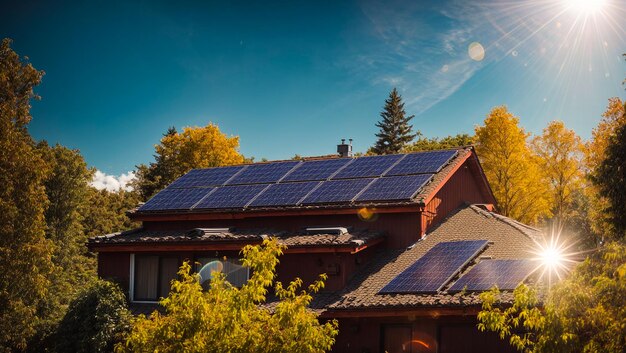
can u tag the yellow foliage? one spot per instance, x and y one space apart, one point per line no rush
511 168
200 147
560 152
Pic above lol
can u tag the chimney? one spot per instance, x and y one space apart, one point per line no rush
345 150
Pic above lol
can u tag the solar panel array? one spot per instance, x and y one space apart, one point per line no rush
431 272
292 183
506 274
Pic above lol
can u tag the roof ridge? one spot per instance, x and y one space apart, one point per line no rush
521 227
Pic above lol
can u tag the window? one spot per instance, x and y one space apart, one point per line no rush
152 276
236 274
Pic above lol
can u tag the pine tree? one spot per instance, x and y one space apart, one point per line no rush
395 130
611 179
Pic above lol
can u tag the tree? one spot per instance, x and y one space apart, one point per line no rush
25 253
511 168
229 319
430 144
560 156
96 320
583 313
395 130
67 188
178 153
105 212
610 177
595 153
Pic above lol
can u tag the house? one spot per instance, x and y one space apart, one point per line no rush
408 241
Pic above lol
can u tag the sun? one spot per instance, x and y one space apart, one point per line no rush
585 6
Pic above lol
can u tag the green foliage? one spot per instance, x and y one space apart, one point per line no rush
511 168
430 144
25 253
583 313
178 153
610 177
96 320
229 319
395 130
105 211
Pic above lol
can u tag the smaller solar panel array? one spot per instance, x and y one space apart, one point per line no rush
431 272
292 183
506 274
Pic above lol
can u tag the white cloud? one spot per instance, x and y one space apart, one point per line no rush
112 183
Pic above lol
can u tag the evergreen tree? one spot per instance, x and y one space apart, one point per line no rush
25 253
395 130
611 179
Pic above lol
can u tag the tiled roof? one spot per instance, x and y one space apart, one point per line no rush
354 237
508 240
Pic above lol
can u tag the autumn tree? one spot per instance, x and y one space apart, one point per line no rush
178 153
25 252
395 130
423 143
225 318
511 168
583 313
105 211
560 157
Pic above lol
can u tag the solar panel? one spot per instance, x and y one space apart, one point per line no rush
175 199
262 173
394 188
205 177
337 191
423 162
236 196
436 268
284 194
316 170
368 166
506 274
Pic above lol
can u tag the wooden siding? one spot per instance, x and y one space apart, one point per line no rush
402 229
115 267
463 187
456 334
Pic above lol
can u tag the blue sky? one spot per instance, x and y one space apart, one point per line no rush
297 76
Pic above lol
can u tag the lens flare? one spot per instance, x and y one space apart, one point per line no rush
555 256
367 214
476 51
585 6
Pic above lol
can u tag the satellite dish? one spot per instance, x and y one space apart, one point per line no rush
207 271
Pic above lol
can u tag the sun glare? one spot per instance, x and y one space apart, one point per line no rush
586 6
555 256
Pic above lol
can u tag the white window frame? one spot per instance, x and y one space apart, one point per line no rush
131 285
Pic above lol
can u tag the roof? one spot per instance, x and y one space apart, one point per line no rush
354 237
421 192
508 239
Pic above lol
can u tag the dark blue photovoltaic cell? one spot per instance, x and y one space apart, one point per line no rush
316 170
368 166
436 268
423 162
336 191
262 173
506 274
175 199
236 196
205 177
284 194
394 188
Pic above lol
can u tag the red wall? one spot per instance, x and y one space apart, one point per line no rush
402 229
429 335
463 187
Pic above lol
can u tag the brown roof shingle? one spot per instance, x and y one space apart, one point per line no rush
508 240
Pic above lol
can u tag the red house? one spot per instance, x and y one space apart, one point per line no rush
408 242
